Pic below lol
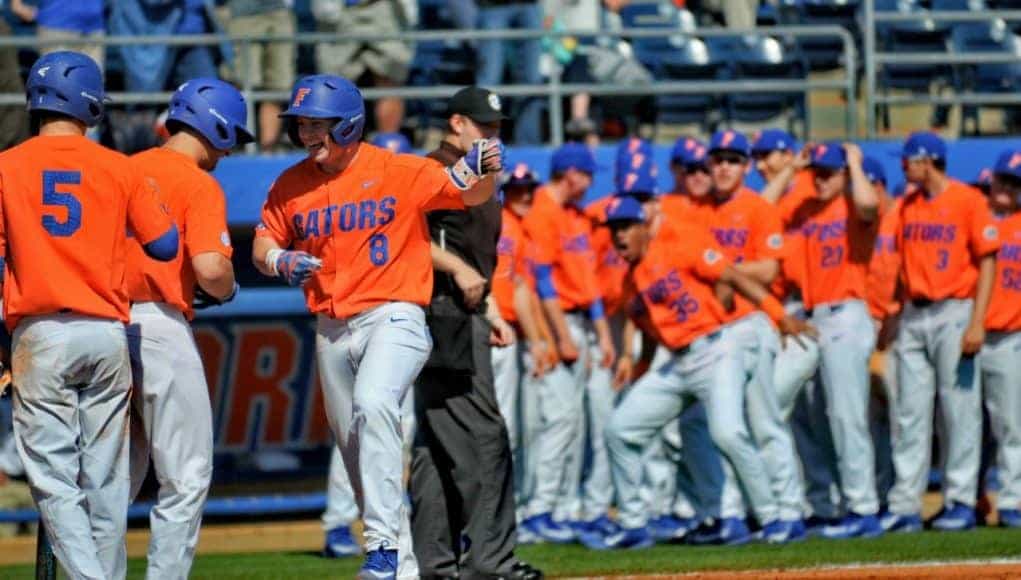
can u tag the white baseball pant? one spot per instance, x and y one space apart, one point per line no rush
847 338
367 363
569 504
531 429
710 369
173 424
71 406
760 344
1001 381
928 351
507 383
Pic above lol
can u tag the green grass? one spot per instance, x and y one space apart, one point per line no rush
577 561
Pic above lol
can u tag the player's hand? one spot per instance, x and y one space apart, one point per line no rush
887 332
974 337
539 351
25 12
725 295
625 371
484 158
472 285
567 349
501 333
804 157
854 154
204 299
797 329
296 267
607 351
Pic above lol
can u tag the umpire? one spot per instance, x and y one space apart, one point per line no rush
463 521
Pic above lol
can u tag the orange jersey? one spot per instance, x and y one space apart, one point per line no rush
885 265
512 264
747 228
835 247
562 239
792 270
65 205
671 288
676 208
367 225
611 269
940 238
1004 313
197 204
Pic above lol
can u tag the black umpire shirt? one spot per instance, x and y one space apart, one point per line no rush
472 235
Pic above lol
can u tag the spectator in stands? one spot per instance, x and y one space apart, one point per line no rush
265 65
736 13
385 63
524 14
70 21
13 121
157 67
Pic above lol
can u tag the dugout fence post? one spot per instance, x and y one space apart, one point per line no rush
869 41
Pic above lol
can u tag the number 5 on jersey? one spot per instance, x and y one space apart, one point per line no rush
53 198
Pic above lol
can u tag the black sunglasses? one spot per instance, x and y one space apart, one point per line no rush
696 168
731 158
640 196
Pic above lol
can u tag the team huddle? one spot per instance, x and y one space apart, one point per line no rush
747 306
759 313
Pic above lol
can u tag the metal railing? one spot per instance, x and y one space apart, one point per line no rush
554 90
874 59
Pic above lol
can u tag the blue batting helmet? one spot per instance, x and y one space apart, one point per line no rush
215 109
69 83
328 97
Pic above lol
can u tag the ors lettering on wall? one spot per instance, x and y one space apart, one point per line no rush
263 383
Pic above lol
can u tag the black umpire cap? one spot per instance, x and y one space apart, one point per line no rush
478 104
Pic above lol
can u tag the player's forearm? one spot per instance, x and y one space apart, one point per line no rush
260 248
984 288
763 271
627 339
557 320
541 320
523 309
776 187
480 192
866 200
754 291
444 261
214 274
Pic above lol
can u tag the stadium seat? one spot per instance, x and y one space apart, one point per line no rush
985 37
765 58
691 59
958 5
437 62
825 53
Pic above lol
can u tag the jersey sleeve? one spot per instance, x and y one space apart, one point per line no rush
767 233
206 221
432 187
884 267
273 223
707 259
541 228
984 236
148 217
3 231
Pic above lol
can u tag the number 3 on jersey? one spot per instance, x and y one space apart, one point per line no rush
54 198
379 251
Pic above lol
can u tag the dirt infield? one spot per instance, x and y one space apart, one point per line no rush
936 571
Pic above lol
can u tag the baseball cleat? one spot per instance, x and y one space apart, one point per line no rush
815 525
783 531
901 523
670 527
727 532
1010 518
854 526
959 517
340 543
625 539
380 564
543 527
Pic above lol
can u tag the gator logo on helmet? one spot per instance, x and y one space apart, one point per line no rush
300 95
727 138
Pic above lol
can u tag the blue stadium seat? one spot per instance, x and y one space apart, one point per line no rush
765 57
958 5
988 37
689 59
822 53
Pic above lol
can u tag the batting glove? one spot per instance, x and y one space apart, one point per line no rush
295 267
204 299
484 158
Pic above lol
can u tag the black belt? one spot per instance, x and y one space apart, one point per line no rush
711 337
835 308
922 302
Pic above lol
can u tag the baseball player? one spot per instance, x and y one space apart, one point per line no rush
671 285
749 232
1000 363
566 283
947 240
347 225
171 400
837 231
66 202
